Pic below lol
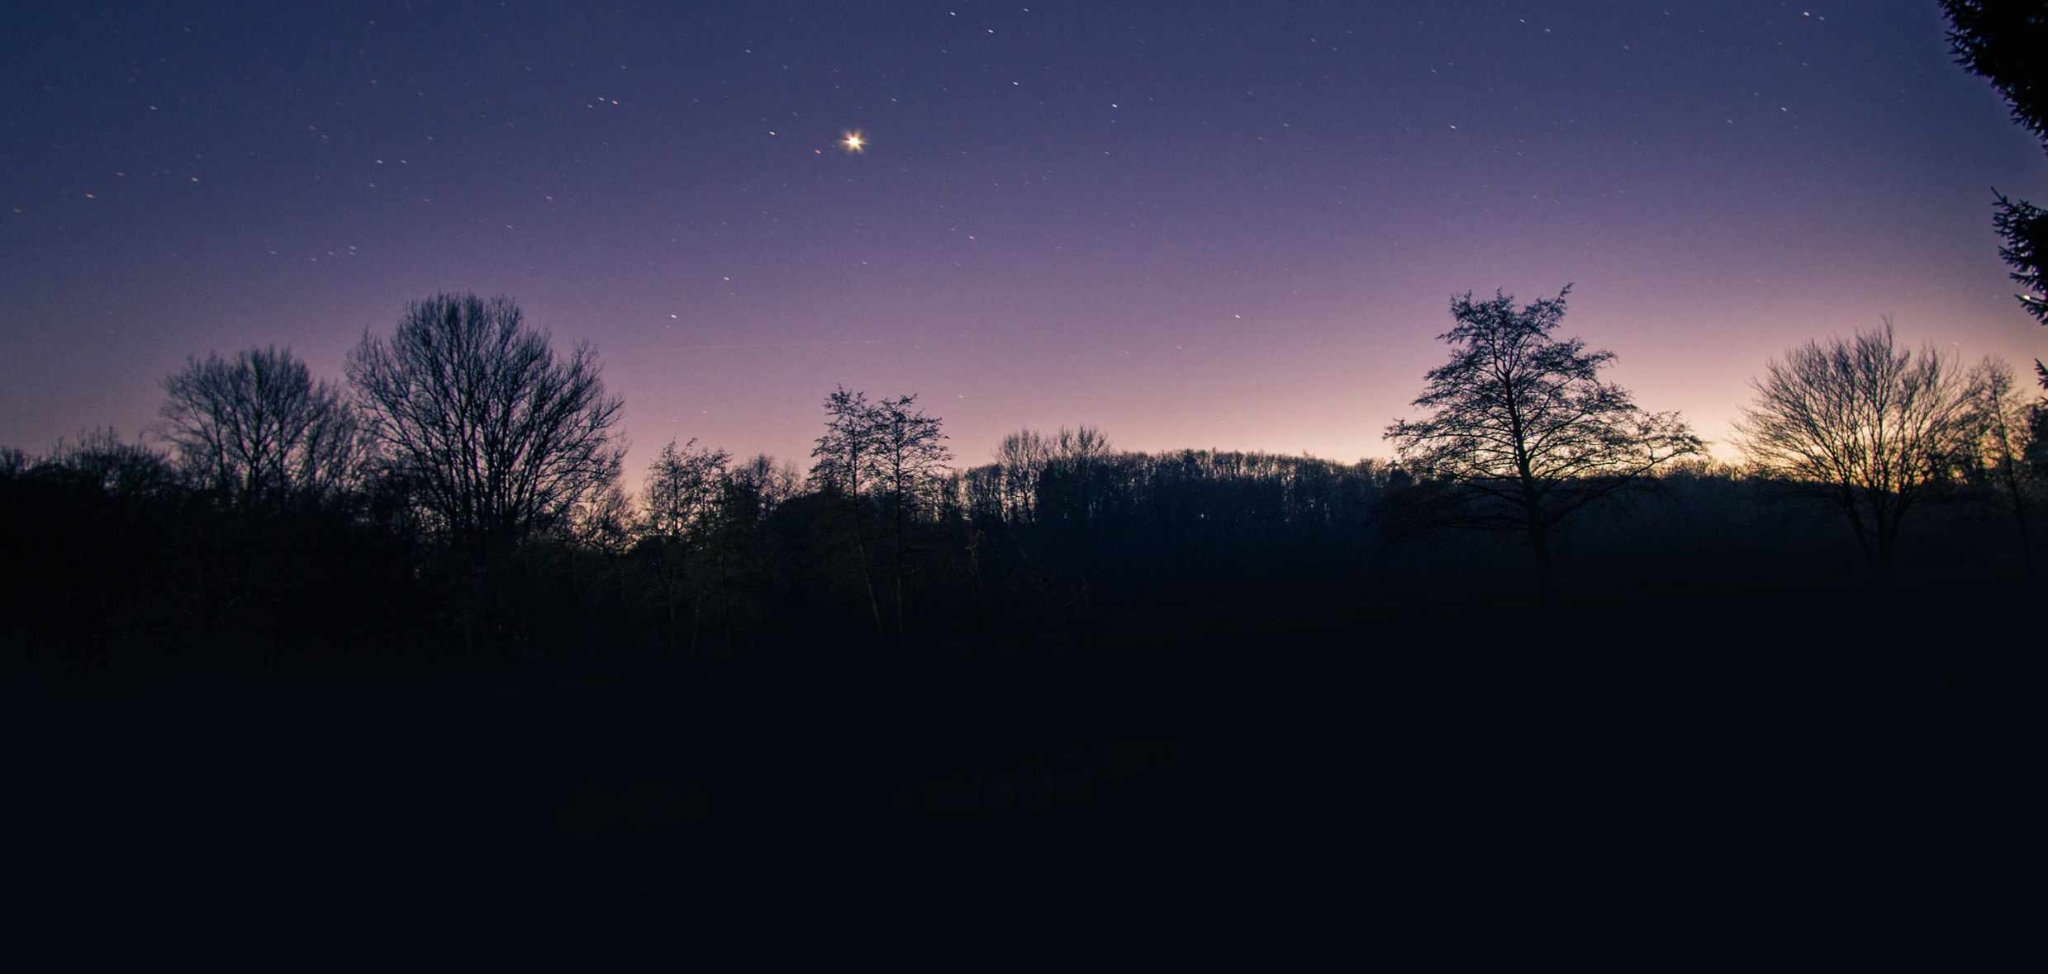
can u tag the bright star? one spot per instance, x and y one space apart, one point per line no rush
853 142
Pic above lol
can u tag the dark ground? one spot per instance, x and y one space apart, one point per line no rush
1457 754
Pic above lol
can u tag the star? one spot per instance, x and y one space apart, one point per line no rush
853 142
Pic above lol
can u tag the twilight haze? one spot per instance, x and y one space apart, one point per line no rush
1216 225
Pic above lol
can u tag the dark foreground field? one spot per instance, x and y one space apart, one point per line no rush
1732 740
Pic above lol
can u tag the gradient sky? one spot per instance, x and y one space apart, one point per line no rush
1202 224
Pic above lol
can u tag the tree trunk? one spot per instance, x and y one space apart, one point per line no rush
725 593
1539 548
2018 501
671 588
867 578
902 635
1882 552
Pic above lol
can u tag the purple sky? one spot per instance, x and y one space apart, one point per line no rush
1189 224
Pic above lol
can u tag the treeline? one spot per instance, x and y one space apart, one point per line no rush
459 499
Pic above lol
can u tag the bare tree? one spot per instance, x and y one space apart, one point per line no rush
842 458
841 462
766 483
1870 426
496 434
1522 428
1080 444
604 521
686 493
1024 457
683 489
909 469
101 460
889 453
258 429
1075 461
1996 441
908 460
1020 460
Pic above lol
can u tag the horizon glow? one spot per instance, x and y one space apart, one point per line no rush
1205 229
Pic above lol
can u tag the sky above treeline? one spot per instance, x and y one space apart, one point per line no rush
1204 225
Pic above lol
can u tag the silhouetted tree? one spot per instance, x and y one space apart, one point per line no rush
2036 455
2006 42
767 482
1069 482
909 467
749 495
605 520
1870 426
682 490
1012 488
257 429
1020 459
685 495
1996 442
496 436
1522 428
842 460
908 459
601 529
1080 444
842 457
100 460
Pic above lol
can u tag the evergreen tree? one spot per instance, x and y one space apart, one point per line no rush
2006 42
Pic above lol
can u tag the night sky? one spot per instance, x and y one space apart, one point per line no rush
1232 225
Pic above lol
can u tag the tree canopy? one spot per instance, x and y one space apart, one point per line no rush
1872 426
257 428
495 434
1521 425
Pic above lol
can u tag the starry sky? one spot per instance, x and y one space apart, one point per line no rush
1192 224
